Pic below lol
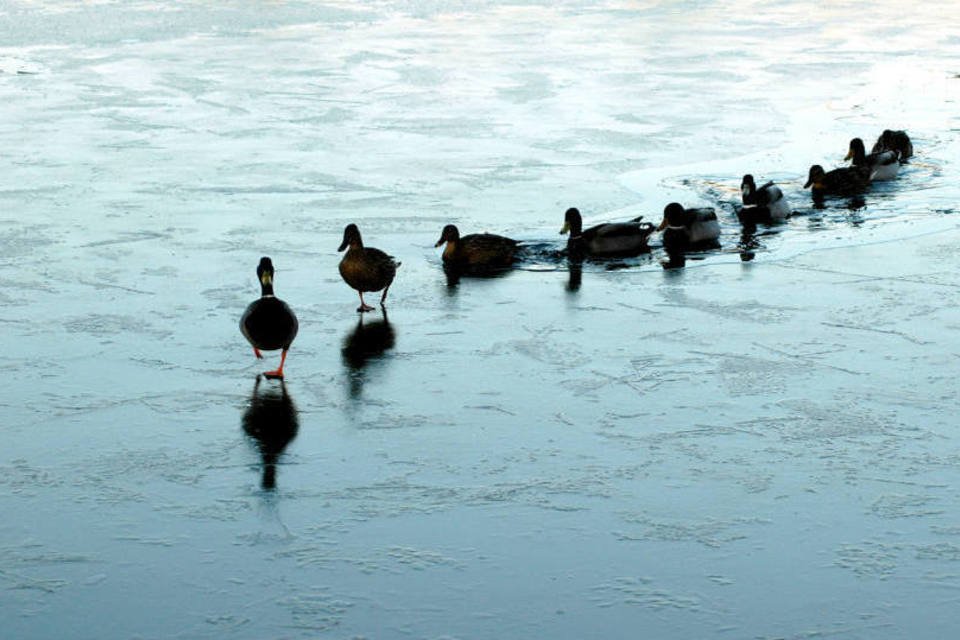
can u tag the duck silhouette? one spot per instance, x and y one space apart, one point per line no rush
366 342
268 323
272 422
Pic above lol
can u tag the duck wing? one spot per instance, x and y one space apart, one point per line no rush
613 230
768 194
487 249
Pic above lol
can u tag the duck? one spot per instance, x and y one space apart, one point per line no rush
607 239
841 181
883 165
685 227
897 141
765 204
477 252
269 323
365 268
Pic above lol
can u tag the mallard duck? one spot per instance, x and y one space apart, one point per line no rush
684 227
608 239
883 165
764 204
897 141
268 323
365 268
842 181
477 252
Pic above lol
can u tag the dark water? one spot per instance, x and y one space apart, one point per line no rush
760 444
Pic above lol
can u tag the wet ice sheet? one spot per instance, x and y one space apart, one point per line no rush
760 449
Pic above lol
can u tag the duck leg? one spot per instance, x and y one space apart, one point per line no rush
363 305
257 353
277 374
383 298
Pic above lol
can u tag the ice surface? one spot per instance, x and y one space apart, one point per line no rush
760 445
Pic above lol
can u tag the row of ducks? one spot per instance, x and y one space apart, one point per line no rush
270 324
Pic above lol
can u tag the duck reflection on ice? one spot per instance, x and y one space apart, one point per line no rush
455 274
366 342
271 422
748 245
674 260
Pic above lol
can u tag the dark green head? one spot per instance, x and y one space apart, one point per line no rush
857 152
265 275
674 214
747 186
572 222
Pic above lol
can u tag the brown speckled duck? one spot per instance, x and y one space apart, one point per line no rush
477 252
842 181
365 268
268 323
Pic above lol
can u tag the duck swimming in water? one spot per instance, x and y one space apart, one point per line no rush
365 268
685 227
762 205
883 165
476 253
607 239
897 141
843 181
268 323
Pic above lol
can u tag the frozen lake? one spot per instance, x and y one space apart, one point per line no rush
762 444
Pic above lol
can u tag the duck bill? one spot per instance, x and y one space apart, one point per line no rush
266 279
849 155
565 229
343 245
809 182
439 243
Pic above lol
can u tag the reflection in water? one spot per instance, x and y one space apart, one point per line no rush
853 203
748 244
453 278
675 260
454 274
366 342
271 421
575 266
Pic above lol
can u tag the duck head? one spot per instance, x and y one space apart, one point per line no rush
449 234
748 188
674 214
572 222
265 275
814 177
351 237
857 152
